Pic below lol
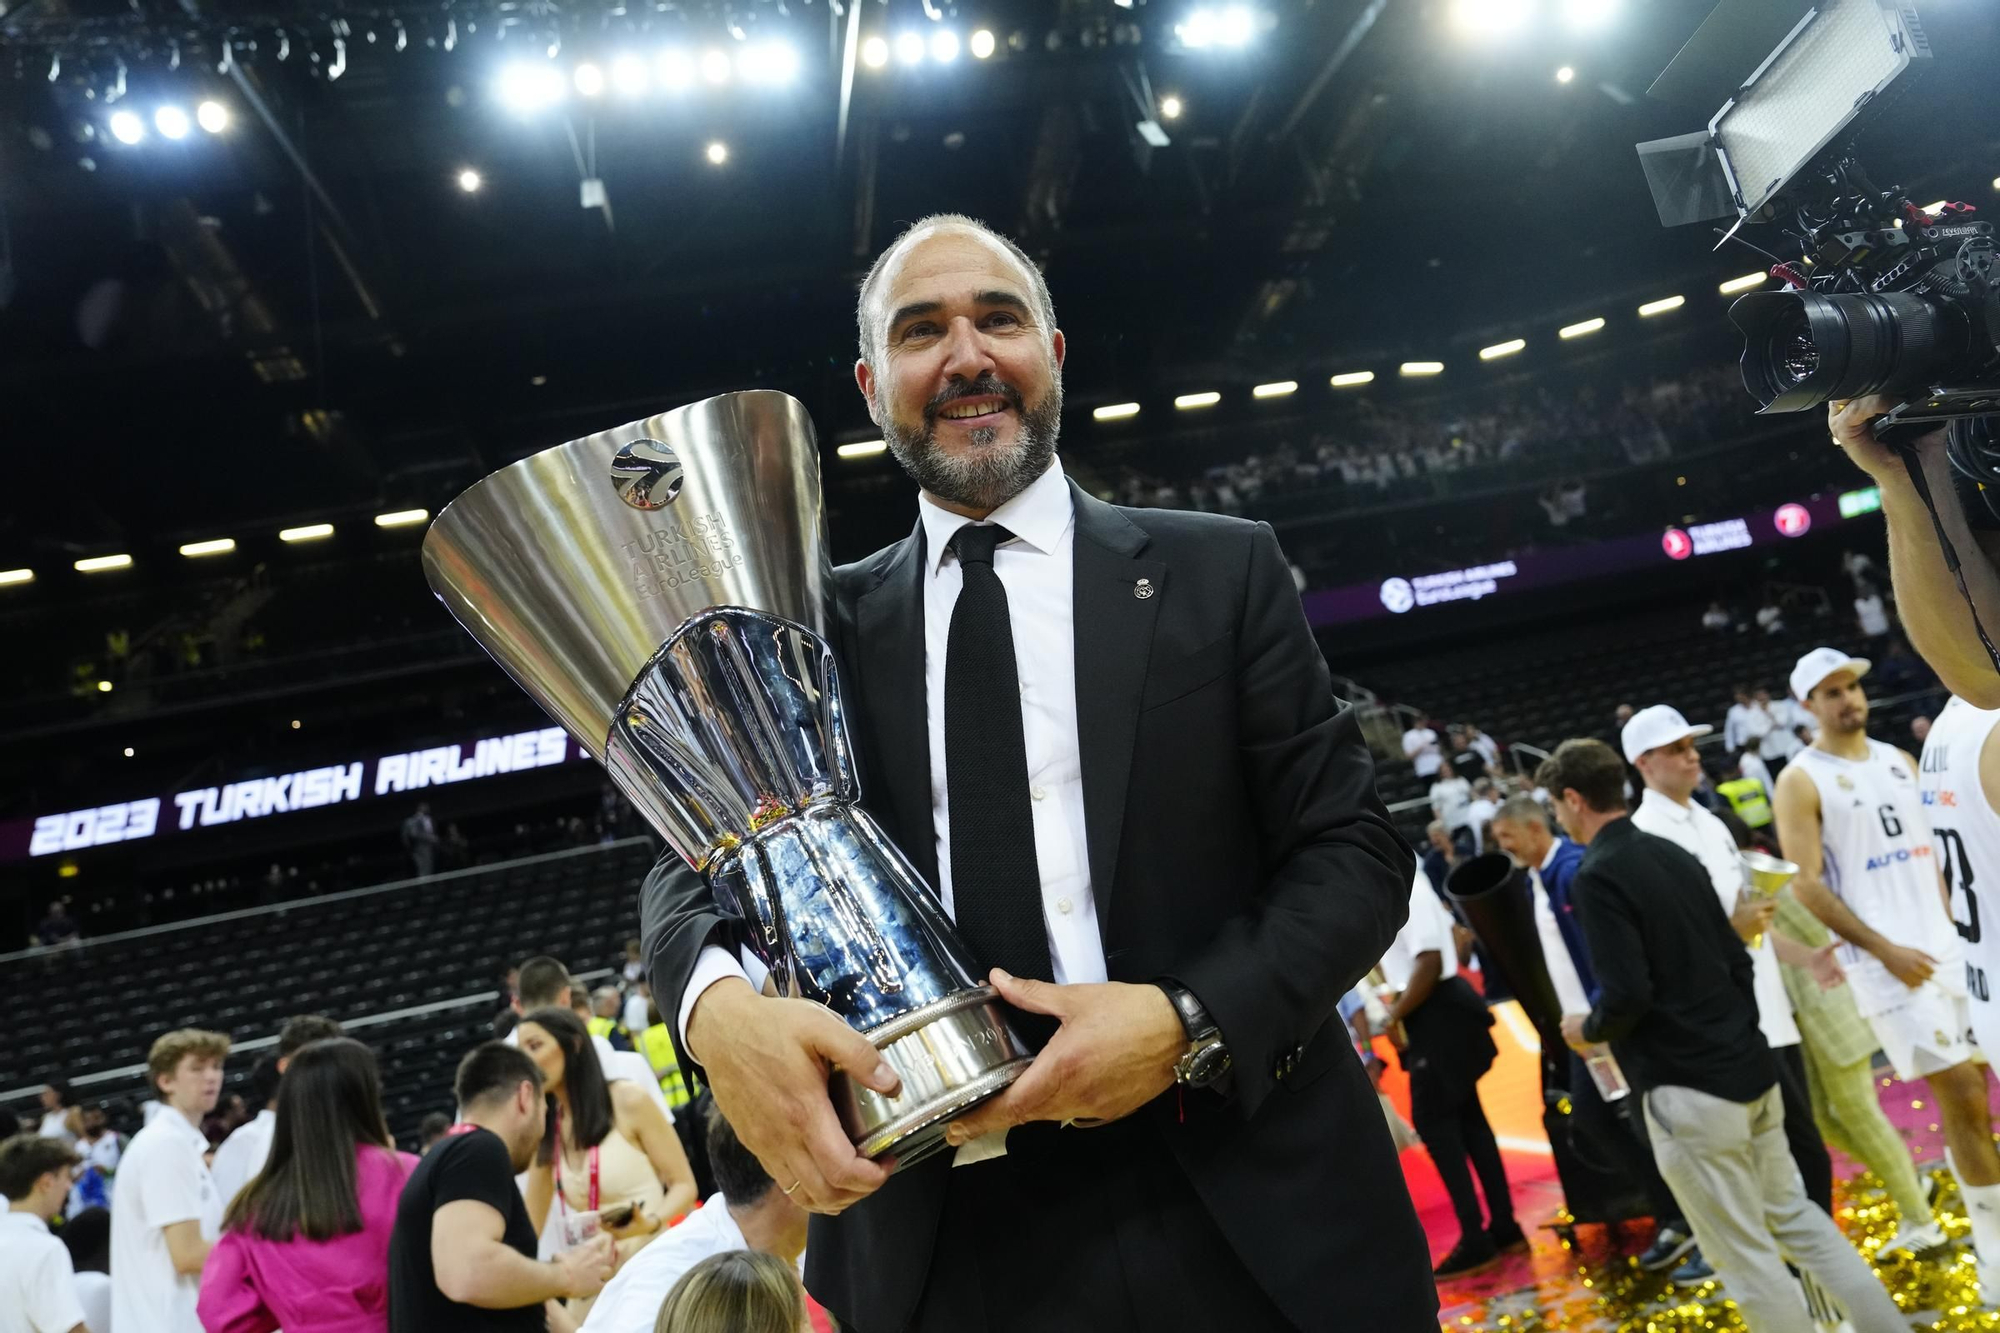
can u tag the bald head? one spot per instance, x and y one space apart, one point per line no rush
872 314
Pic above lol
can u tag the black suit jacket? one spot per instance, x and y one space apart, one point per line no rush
1236 844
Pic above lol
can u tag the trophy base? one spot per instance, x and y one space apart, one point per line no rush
952 1054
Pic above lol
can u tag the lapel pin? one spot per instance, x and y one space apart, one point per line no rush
1143 589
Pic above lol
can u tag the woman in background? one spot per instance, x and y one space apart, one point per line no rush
305 1245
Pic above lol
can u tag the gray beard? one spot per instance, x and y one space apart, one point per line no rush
989 479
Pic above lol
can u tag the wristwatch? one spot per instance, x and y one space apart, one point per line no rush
1207 1058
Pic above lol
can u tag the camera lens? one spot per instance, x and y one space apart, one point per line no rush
1801 349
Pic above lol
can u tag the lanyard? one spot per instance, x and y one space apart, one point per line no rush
463 1127
562 1203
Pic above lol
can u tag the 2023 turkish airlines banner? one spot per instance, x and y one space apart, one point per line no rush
283 793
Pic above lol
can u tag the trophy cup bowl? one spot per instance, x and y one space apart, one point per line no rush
663 591
1765 877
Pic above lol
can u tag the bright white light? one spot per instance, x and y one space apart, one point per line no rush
172 122
126 127
909 48
1170 107
212 116
214 546
104 687
128 752
470 181
1579 330
981 47
1115 411
1937 207
1347 379
1233 25
1588 14
401 518
12 576
715 66
1280 389
863 449
1498 350
311 532
97 564
1491 16
875 52
589 79
1565 74
1191 400
768 63
675 69
628 75
1415 368
944 46
530 86
1661 306
1744 283
718 153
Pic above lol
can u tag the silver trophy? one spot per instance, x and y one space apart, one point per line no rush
663 591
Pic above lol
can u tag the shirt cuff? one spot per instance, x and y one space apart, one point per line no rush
714 964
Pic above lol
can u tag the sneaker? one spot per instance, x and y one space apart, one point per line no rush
1919 1242
1692 1272
1669 1247
1506 1236
1470 1255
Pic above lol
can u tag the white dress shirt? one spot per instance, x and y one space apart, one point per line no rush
37 1284
630 1301
162 1180
1037 568
243 1154
1427 928
1695 831
1570 994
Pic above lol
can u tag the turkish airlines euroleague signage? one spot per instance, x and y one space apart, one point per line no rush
284 793
1406 594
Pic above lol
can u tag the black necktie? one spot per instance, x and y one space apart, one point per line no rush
996 886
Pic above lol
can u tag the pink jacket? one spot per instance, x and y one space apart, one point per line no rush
253 1285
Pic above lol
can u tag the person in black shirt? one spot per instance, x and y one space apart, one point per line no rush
1676 1004
462 1257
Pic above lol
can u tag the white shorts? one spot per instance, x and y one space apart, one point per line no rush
1927 1033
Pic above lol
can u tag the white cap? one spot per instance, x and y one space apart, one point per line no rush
1817 665
1653 727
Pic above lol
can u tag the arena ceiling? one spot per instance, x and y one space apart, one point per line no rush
305 313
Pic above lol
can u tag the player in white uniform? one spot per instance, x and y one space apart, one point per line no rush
1959 779
1849 813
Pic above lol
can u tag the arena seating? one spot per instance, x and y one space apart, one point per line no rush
408 945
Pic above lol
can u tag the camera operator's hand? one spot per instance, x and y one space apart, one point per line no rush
767 1062
1852 423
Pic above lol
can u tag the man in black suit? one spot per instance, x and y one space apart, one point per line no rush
1107 736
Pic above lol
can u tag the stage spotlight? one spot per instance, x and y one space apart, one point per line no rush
589 79
909 48
628 75
212 116
1743 284
675 70
1192 400
104 687
1419 368
311 532
1588 14
1348 379
126 127
128 752
213 546
981 47
863 449
97 564
1498 350
1278 389
1491 16
1170 107
875 52
1115 411
718 153
401 518
172 122
944 46
715 67
470 181
12 576
1565 74
1233 25
1568 331
529 86
1661 306
768 63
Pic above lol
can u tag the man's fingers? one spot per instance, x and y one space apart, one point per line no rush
844 1176
997 1114
839 1044
1037 997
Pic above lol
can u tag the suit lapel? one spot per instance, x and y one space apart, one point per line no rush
1114 640
889 659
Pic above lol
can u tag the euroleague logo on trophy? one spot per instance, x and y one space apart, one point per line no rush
647 474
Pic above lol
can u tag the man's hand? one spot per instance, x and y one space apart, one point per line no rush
768 1061
1752 917
1824 968
586 1268
1114 1052
1572 1030
1853 426
1912 967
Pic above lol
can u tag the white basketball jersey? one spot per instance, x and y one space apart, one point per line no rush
1965 839
1876 855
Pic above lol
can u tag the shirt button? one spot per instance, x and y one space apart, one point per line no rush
1062 905
1037 793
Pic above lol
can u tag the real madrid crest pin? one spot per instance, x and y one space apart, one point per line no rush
1143 589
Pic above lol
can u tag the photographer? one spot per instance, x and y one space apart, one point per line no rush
1939 623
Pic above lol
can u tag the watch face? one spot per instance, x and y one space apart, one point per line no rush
1207 1064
